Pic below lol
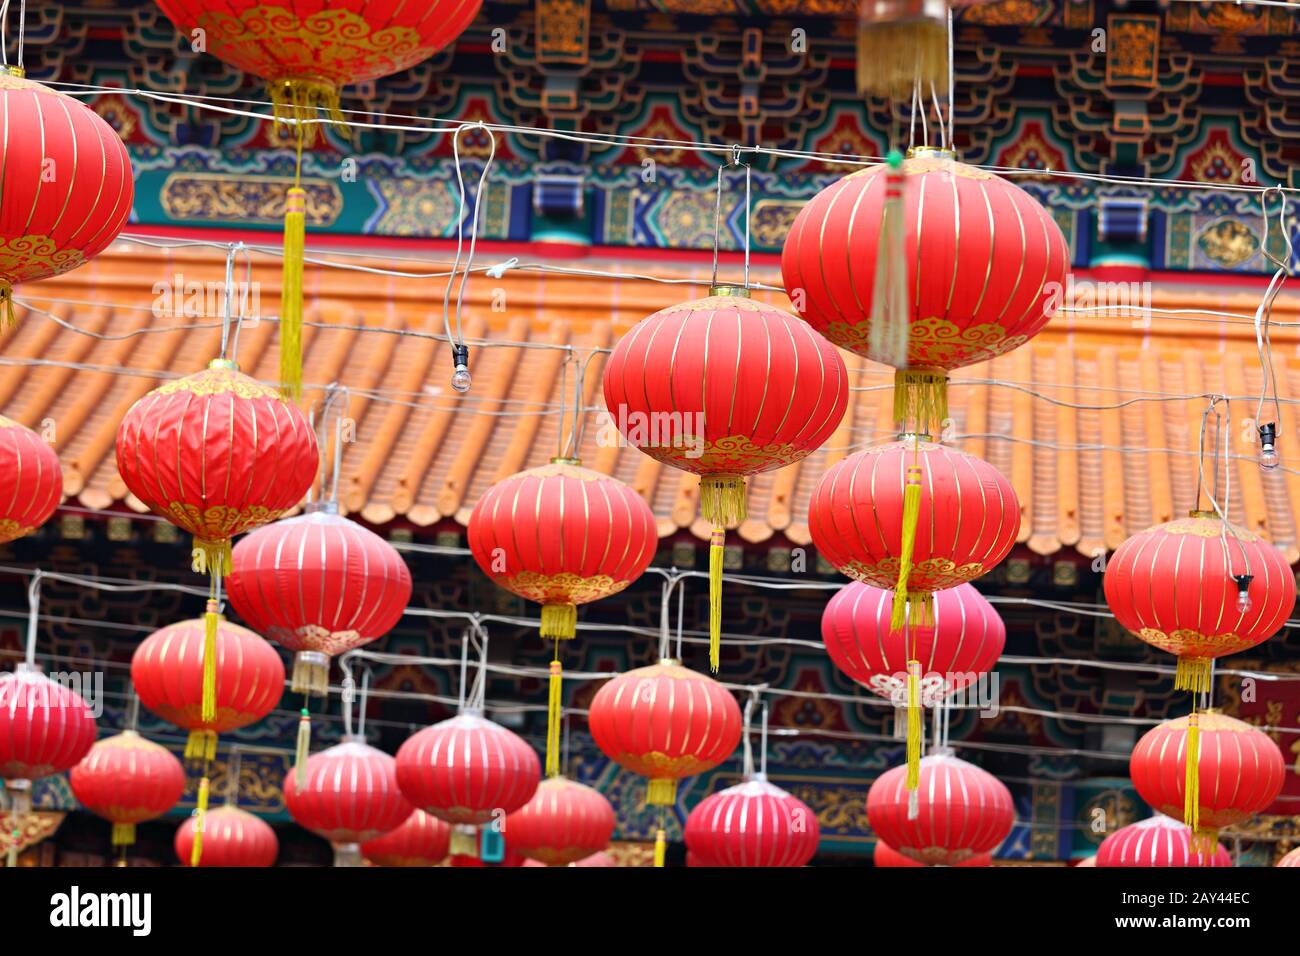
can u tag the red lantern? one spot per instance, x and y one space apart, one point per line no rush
964 811
563 823
665 722
884 855
65 184
350 794
982 269
1291 859
1199 588
167 673
465 769
30 470
1157 841
561 535
752 824
127 780
318 584
724 387
45 728
965 640
423 840
231 837
1240 771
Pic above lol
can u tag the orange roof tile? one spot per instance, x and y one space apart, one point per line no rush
424 453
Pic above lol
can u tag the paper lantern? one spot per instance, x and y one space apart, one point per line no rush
231 837
561 535
724 387
884 855
563 823
350 794
65 184
1291 859
963 641
167 673
467 769
665 722
752 824
127 779
31 475
318 584
45 727
1157 841
1240 771
1179 587
423 840
964 811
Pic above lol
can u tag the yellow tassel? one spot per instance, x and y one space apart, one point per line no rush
1193 673
200 818
1204 843
123 834
201 745
661 847
299 100
208 710
921 399
295 240
311 673
890 302
300 753
11 857
554 709
661 792
464 841
722 499
911 514
891 56
717 553
559 622
914 729
1192 782
210 557
7 318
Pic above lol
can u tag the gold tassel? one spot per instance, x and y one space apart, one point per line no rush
295 239
311 673
559 622
890 304
201 745
661 792
211 557
300 753
661 847
722 499
7 317
921 399
1192 782
914 730
299 100
123 834
464 841
554 709
717 553
1204 843
11 857
1193 673
211 619
200 818
911 514
891 56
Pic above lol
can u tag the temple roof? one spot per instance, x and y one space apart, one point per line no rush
423 453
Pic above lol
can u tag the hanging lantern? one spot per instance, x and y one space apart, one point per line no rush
231 837
1157 841
31 474
884 855
561 535
724 387
972 267
318 584
127 780
350 795
752 824
45 728
563 823
1291 859
964 811
423 840
1199 588
964 640
1240 772
65 185
167 674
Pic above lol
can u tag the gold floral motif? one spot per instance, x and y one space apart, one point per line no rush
246 199
656 764
24 258
1204 528
218 522
1228 243
933 342
937 855
315 638
1134 50
219 381
733 455
11 530
933 574
1187 642
562 588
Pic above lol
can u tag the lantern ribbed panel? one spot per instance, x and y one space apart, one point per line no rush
884 855
128 779
350 794
1156 841
464 769
964 811
31 481
752 824
563 823
44 727
423 840
231 837
1291 859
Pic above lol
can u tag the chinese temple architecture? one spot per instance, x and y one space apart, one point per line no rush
1162 139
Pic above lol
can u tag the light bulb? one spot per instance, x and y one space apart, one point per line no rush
1243 601
1243 591
1268 459
460 379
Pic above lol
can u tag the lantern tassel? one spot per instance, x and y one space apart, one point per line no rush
201 745
661 792
21 797
295 240
211 619
911 515
123 834
554 712
300 752
717 552
298 100
915 737
559 622
464 841
7 317
311 673
1193 673
921 399
200 818
722 503
211 557
892 56
661 847
1192 781
889 301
